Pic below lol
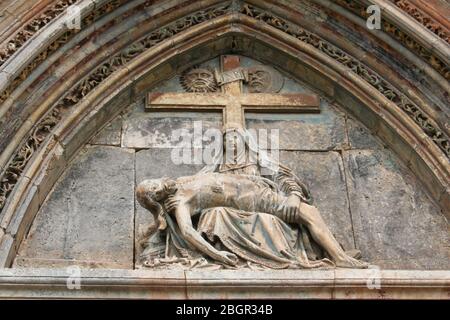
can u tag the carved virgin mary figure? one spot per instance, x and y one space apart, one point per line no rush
230 215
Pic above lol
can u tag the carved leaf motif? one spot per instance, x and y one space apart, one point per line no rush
424 19
31 28
357 67
20 159
42 130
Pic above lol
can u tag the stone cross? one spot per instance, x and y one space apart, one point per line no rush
231 100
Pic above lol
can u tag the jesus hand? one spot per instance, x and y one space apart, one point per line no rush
170 203
290 208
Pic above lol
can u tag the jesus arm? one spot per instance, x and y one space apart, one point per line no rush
290 184
183 217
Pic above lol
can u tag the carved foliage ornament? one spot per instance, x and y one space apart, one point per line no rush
54 46
360 10
108 67
423 18
20 160
419 117
264 79
31 28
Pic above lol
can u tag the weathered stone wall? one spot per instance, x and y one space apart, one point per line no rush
367 196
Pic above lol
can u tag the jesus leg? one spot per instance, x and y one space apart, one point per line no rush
311 218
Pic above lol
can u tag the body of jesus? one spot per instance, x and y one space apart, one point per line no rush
187 196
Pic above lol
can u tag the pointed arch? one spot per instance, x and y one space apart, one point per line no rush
116 59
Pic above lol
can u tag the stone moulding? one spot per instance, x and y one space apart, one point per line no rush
55 10
31 28
15 18
286 284
25 71
114 4
10 79
22 156
389 41
83 119
44 128
358 68
414 38
76 129
141 6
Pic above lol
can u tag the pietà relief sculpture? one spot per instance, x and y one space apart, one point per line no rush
247 212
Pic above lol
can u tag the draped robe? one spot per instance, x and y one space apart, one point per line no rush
255 237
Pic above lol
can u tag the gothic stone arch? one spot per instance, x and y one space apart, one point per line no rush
61 86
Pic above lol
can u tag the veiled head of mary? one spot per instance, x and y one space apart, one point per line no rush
233 140
241 147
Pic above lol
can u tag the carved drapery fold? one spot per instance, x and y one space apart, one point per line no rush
413 111
44 127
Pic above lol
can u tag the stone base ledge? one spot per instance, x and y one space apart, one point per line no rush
226 284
